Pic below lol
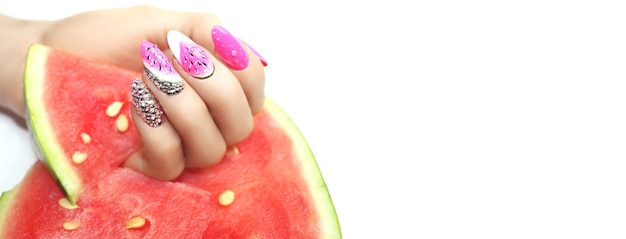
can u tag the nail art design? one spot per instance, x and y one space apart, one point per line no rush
229 49
263 61
146 106
159 69
189 55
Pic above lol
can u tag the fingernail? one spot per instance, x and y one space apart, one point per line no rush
229 49
146 106
189 55
159 70
255 53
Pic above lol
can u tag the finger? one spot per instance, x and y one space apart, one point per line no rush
216 85
207 31
202 141
161 156
244 64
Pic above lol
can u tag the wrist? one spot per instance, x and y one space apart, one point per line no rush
17 35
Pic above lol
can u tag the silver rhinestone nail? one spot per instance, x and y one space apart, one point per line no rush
168 87
146 106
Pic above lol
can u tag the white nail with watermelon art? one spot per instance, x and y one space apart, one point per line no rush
159 69
191 57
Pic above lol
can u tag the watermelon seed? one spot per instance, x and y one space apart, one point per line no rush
114 108
86 138
79 157
64 203
226 198
122 123
233 151
71 225
136 222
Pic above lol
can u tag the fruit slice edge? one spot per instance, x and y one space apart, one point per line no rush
39 126
6 199
310 169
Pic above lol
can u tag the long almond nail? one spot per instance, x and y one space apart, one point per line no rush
146 106
229 49
158 68
191 57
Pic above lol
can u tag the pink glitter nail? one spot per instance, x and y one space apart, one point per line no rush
229 49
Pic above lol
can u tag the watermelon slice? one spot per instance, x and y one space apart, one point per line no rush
268 186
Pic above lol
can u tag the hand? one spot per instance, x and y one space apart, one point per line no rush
204 103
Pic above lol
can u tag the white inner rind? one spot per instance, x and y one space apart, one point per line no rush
39 124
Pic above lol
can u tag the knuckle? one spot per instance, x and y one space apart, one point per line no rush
166 158
169 174
240 131
208 156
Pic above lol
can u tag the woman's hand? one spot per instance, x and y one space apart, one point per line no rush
199 89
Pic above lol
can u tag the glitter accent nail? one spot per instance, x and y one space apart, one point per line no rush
146 106
158 68
191 57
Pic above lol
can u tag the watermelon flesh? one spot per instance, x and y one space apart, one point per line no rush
67 97
277 187
105 210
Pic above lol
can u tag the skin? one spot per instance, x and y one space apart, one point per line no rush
200 122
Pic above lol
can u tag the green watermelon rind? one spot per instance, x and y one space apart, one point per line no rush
310 169
6 199
39 124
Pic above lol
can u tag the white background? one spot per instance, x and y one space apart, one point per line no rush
436 119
